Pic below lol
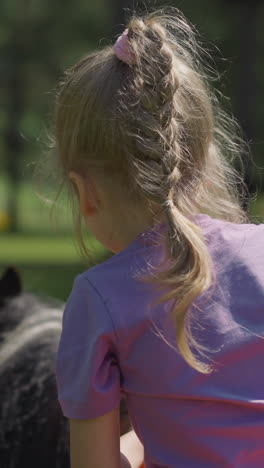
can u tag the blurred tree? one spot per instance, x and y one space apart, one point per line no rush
38 39
247 92
15 92
121 11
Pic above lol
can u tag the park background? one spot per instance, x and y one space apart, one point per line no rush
38 40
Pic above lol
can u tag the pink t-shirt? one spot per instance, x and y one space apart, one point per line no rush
113 343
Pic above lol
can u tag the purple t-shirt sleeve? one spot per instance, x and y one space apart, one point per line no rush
87 369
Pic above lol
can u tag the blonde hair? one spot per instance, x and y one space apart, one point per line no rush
158 123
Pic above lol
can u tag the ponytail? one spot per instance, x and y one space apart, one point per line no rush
172 124
188 273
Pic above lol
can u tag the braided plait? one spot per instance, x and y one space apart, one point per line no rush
154 124
158 128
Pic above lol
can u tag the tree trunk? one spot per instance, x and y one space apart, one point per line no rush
247 76
121 10
14 142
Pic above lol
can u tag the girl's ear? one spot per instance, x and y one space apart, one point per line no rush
87 193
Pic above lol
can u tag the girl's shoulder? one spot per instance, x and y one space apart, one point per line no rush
224 239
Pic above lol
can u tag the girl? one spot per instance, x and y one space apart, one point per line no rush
175 319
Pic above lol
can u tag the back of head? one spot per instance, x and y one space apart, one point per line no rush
154 121
157 116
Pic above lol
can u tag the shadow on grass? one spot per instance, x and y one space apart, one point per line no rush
49 279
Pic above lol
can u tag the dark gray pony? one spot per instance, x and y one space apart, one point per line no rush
33 430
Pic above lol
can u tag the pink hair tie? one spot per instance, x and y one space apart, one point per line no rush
123 49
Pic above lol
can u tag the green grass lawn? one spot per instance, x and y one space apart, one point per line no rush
47 265
35 206
50 276
17 248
